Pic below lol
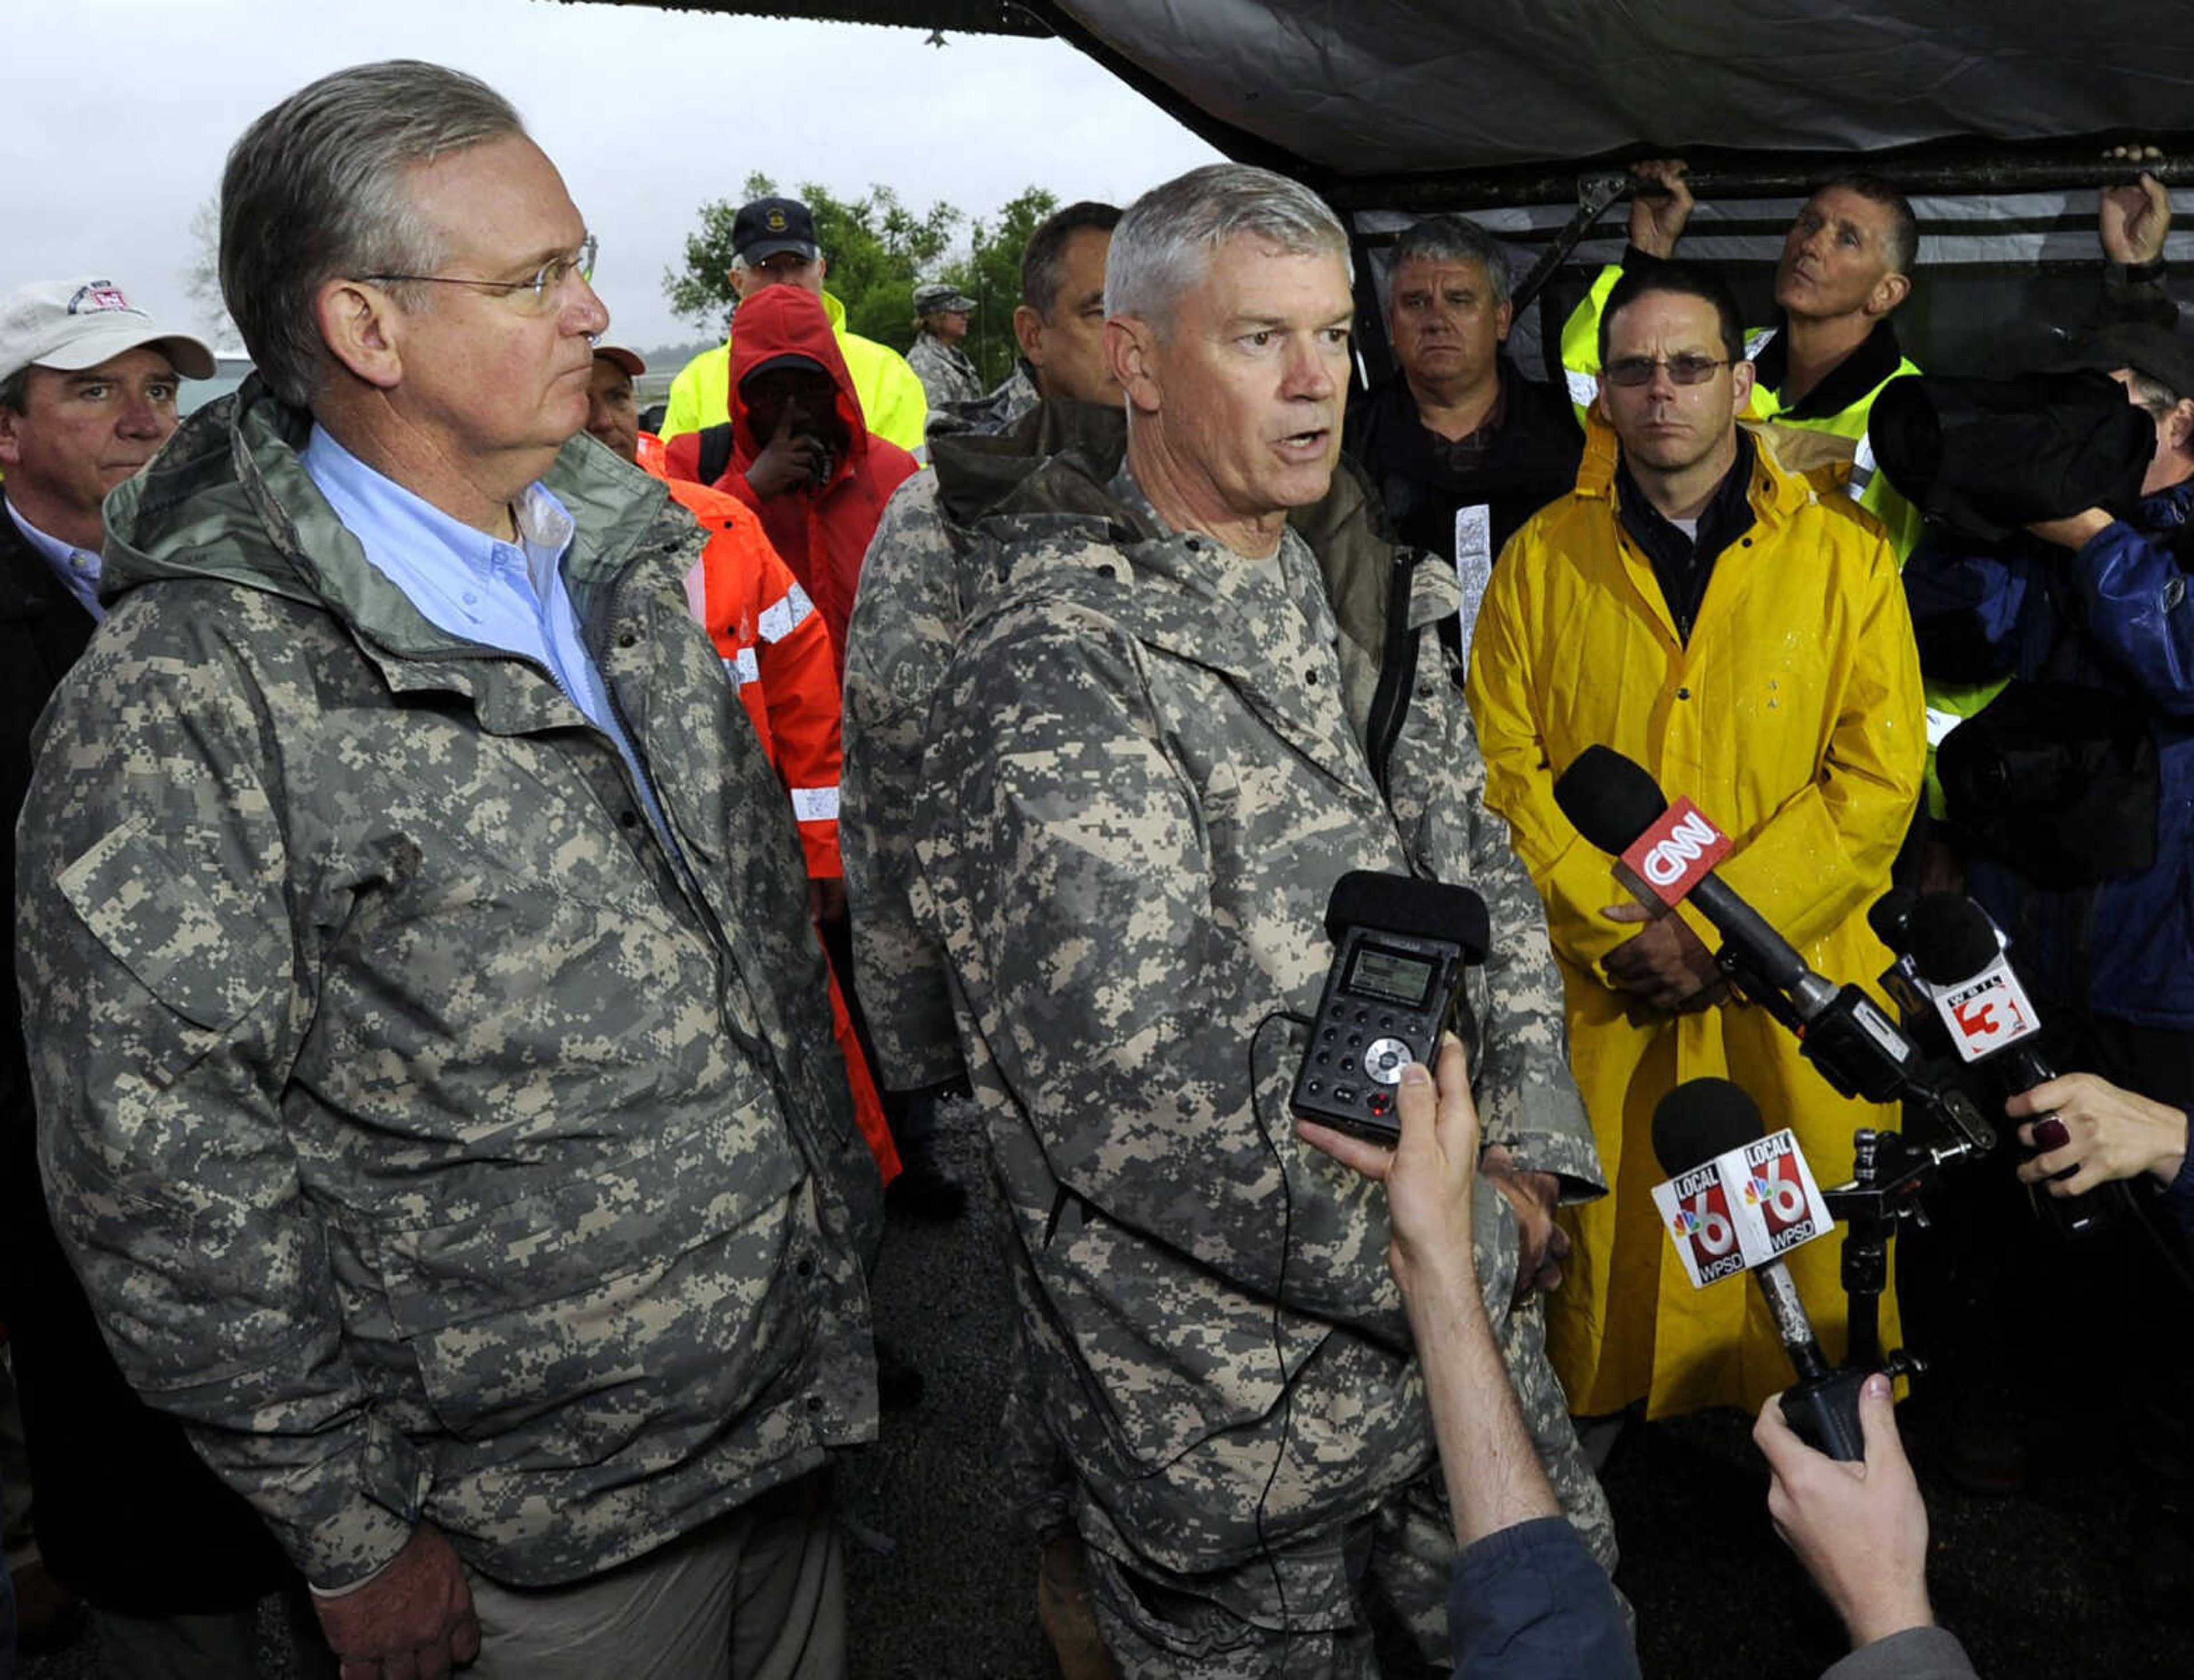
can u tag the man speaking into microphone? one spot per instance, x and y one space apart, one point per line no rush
1203 692
1702 611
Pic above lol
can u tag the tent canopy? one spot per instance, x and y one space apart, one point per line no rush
1354 90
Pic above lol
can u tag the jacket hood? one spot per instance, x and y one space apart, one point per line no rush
1777 487
788 321
1057 452
228 498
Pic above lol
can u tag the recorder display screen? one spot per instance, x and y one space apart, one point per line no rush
1405 980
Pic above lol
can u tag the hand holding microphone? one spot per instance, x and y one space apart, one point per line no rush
1860 1528
2089 1131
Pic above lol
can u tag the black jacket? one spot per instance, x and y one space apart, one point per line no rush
127 1515
1533 459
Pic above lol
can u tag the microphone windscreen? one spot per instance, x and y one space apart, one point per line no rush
1610 800
1432 909
1890 917
1951 938
1699 1120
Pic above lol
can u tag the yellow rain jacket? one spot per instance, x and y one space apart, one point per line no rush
1792 717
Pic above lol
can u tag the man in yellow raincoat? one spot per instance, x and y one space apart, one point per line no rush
1702 610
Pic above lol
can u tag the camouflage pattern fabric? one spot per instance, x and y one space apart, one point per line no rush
907 614
429 1136
1153 783
1014 395
946 373
1242 1625
922 571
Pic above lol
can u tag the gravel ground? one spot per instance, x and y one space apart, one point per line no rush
941 1583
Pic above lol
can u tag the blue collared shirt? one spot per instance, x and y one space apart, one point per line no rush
76 569
501 594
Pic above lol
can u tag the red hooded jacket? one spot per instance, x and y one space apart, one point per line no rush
822 533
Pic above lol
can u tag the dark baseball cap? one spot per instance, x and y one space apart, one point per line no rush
2159 351
790 358
768 225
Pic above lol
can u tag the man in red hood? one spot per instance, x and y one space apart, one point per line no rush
800 453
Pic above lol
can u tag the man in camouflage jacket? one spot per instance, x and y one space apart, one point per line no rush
1152 757
438 1094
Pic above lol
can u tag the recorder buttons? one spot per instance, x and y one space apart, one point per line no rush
1386 1058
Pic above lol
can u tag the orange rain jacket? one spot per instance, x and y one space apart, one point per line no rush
777 655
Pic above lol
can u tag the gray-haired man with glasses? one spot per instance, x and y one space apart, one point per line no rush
436 1082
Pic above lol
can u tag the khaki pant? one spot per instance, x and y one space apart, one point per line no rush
758 1593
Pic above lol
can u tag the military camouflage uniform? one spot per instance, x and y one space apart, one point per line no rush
1146 771
1014 396
946 373
921 574
434 1140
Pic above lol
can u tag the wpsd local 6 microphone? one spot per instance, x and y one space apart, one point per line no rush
1989 1020
1737 1201
1400 947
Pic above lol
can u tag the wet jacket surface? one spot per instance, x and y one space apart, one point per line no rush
822 531
2114 616
890 391
1792 716
434 1140
1147 771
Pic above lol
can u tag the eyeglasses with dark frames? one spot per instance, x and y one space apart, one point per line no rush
532 292
1636 370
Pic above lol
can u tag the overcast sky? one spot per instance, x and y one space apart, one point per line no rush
121 111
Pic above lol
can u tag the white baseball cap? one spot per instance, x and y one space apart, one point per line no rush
74 325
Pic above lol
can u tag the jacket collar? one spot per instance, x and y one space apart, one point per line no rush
228 499
1875 358
1775 490
1094 542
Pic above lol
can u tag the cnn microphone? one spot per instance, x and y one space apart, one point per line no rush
1400 949
1989 1018
1706 1137
1617 805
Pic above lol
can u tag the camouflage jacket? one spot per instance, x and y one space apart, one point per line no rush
1012 397
428 1136
946 373
1146 768
921 574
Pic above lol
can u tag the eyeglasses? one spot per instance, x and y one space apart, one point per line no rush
533 293
1636 370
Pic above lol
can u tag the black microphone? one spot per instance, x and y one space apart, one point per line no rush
1890 917
1694 1123
1991 1020
1955 946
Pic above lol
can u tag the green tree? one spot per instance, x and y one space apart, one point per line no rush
876 246
991 273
